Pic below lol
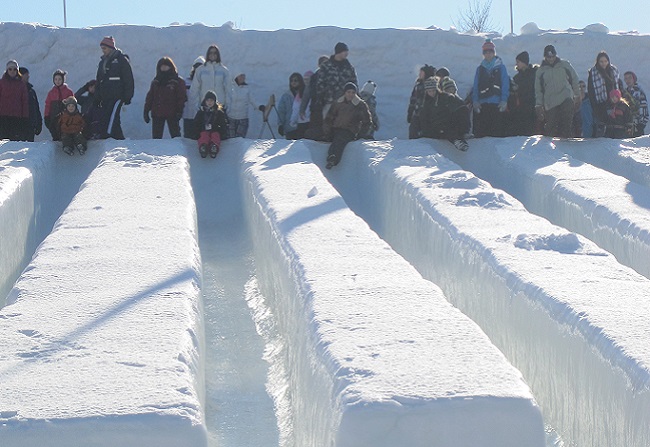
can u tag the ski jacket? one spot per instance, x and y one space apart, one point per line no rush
240 98
332 77
35 117
371 100
166 97
637 93
555 83
285 111
522 93
85 99
210 76
211 120
71 123
601 82
14 99
415 102
309 98
54 99
350 115
114 78
444 114
491 82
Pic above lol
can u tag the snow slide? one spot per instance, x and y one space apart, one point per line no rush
376 355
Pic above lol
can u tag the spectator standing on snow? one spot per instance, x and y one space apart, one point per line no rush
89 110
367 93
71 125
443 115
522 97
619 120
347 118
311 101
115 87
14 104
289 123
189 129
416 101
557 94
165 100
490 93
586 114
211 125
335 74
212 76
638 95
54 103
241 98
35 118
603 78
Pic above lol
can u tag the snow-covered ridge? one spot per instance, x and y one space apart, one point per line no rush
357 316
102 334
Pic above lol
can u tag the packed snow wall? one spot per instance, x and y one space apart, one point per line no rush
356 316
103 333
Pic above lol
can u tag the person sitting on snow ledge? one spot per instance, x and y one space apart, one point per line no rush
347 119
211 125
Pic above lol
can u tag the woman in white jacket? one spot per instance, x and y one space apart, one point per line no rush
211 76
240 98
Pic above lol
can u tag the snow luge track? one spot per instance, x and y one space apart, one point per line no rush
316 331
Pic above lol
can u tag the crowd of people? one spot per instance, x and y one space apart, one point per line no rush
328 105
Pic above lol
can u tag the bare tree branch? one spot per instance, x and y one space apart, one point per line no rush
476 17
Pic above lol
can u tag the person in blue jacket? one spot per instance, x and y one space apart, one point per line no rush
490 94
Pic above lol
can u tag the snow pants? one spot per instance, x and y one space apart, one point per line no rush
208 138
340 139
158 127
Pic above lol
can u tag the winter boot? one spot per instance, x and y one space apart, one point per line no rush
68 150
203 150
461 145
214 150
330 161
81 149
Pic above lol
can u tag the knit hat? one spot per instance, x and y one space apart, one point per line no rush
448 85
350 86
428 71
308 74
210 94
12 63
199 61
549 50
369 88
70 100
340 48
431 83
108 41
23 70
442 72
616 93
488 45
523 57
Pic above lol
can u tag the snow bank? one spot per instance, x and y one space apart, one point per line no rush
102 332
377 356
572 319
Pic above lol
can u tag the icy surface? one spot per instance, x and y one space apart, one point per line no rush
102 333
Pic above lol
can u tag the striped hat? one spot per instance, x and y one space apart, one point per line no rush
488 45
108 41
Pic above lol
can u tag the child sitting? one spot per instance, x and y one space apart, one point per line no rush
619 122
211 125
71 125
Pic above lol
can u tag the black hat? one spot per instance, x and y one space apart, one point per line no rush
340 48
442 72
549 50
350 86
210 94
523 57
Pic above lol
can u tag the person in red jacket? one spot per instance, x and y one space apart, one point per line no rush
165 100
14 105
54 103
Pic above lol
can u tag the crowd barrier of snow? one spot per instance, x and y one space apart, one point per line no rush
357 316
571 318
102 333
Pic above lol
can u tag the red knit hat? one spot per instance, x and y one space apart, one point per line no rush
489 46
616 93
108 41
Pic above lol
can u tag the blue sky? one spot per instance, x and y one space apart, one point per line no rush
276 14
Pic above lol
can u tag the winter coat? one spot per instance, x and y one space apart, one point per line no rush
309 98
35 117
285 111
71 123
332 77
491 82
166 97
416 100
522 92
371 100
240 98
54 100
619 121
555 83
350 115
601 82
638 95
587 114
211 120
85 99
210 76
443 115
115 78
14 98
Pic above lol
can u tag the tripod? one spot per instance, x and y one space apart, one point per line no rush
265 116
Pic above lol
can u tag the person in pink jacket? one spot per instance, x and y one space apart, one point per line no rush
14 104
54 103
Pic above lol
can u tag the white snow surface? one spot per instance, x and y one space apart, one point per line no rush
566 313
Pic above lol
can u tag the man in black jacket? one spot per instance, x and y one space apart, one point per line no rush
115 87
35 118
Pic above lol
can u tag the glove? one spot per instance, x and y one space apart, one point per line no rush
146 117
477 107
281 129
126 101
539 112
503 106
262 108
